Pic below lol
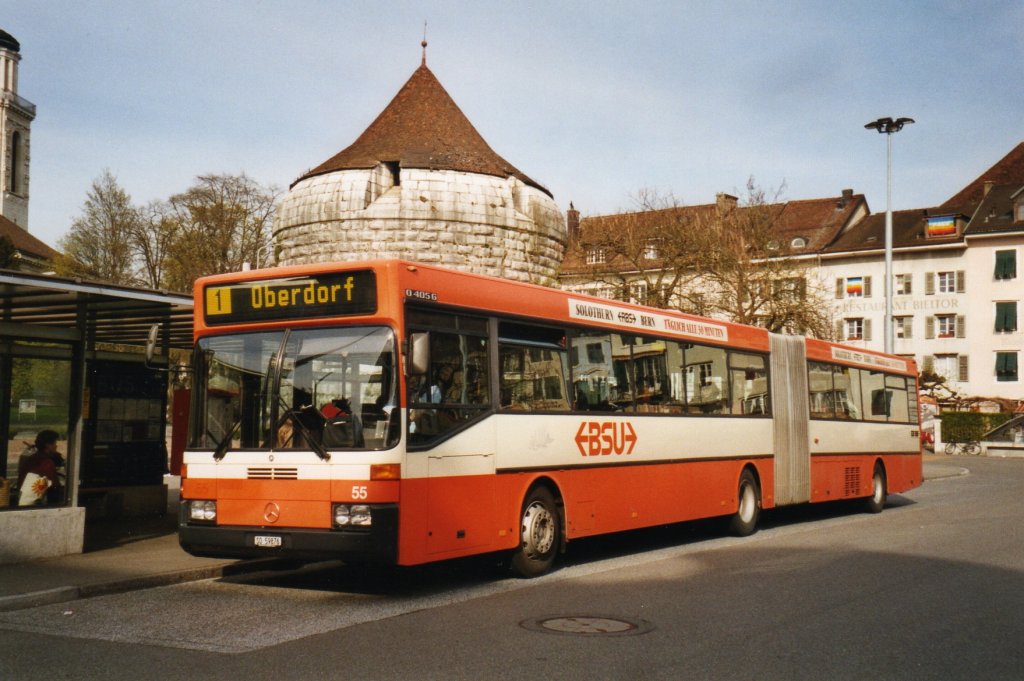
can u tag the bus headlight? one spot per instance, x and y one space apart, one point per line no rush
355 515
203 511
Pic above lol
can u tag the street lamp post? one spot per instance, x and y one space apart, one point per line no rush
888 126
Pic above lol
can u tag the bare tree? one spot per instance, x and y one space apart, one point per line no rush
215 226
645 256
153 243
99 242
748 272
725 260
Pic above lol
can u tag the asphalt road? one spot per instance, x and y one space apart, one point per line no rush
931 588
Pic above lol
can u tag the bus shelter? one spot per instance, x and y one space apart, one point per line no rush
71 361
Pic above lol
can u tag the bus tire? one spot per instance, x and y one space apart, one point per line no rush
539 534
744 522
876 502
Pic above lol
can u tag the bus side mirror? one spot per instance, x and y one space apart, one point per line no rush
154 331
419 354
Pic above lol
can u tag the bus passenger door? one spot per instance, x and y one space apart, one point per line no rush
790 404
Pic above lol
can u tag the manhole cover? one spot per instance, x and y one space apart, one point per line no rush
588 625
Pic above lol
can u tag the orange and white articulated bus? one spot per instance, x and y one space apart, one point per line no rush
400 413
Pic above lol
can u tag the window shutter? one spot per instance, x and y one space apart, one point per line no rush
839 287
839 330
908 284
1006 264
963 369
929 327
867 329
867 287
961 281
928 363
929 283
908 328
961 327
1011 317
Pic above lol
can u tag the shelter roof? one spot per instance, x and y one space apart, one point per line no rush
422 127
62 308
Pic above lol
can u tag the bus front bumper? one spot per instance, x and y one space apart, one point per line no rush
377 544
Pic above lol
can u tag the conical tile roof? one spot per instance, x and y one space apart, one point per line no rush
422 127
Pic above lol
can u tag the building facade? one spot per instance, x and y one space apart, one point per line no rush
16 116
957 290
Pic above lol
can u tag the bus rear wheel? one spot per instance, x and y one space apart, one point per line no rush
744 521
540 531
876 502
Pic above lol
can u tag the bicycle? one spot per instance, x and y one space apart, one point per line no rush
967 447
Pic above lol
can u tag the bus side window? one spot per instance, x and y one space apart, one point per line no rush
533 379
846 382
593 376
876 399
704 370
899 406
822 392
533 367
455 389
748 384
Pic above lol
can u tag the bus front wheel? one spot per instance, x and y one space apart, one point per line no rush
744 521
539 535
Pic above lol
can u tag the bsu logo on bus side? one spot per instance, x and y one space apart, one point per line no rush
601 438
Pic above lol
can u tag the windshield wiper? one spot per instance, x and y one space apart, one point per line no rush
222 447
297 416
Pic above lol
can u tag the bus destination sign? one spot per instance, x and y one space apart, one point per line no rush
321 295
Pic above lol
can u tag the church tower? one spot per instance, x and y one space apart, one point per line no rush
421 183
16 115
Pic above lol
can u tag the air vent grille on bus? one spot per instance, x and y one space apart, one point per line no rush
270 473
851 487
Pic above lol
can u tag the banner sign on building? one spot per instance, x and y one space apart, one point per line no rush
944 225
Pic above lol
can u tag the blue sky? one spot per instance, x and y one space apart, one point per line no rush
595 100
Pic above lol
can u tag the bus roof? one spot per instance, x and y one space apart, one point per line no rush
434 285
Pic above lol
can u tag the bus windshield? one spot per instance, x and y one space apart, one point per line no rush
309 389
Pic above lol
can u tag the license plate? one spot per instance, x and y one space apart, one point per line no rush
267 541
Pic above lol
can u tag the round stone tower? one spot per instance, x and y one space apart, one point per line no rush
422 184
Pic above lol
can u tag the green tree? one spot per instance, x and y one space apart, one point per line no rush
99 244
215 226
8 253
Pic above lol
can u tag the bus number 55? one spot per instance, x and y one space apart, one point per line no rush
359 492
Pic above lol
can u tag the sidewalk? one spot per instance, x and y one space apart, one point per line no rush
143 553
120 555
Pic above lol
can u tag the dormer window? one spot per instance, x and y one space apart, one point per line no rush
941 226
595 256
651 249
798 242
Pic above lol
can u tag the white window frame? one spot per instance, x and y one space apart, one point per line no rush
945 282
